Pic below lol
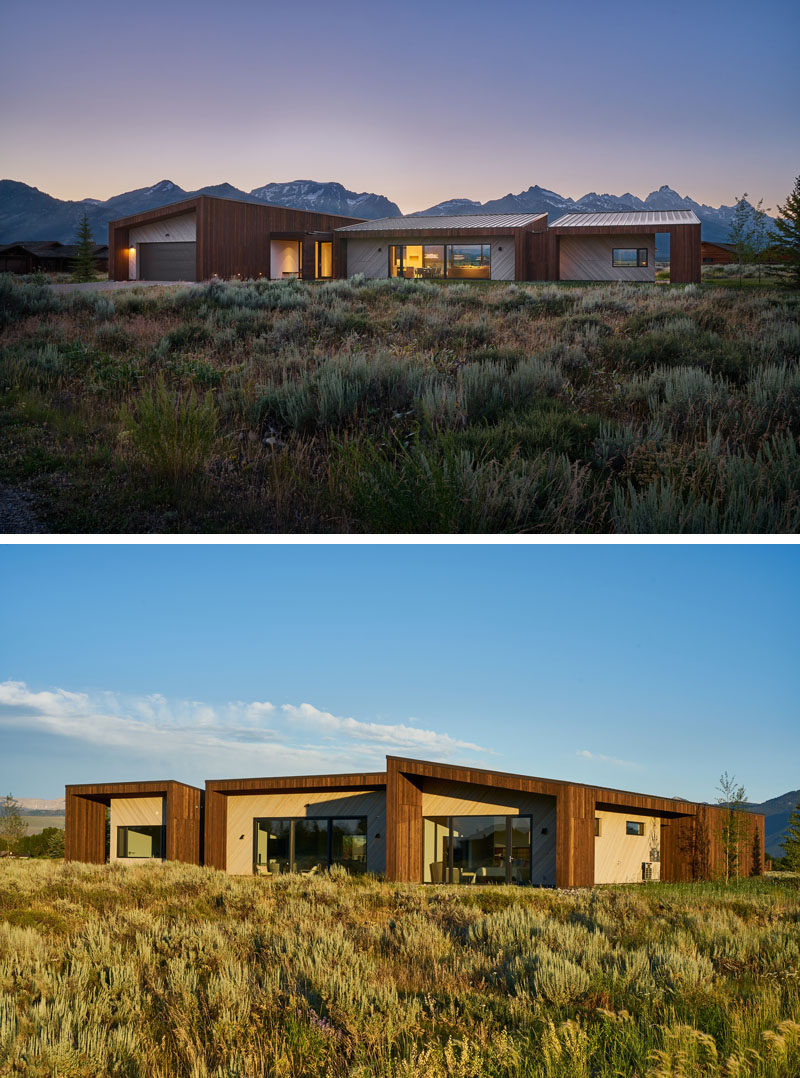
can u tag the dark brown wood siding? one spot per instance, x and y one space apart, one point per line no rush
85 818
403 825
233 238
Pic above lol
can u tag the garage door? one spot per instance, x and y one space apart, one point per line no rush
167 261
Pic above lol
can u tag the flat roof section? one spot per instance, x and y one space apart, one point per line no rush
465 221
644 218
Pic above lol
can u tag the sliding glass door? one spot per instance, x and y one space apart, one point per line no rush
477 849
309 844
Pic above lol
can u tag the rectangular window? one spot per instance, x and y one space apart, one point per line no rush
633 827
460 261
629 257
469 261
309 844
597 826
140 842
477 850
323 259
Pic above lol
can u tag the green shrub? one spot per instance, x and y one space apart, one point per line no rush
173 434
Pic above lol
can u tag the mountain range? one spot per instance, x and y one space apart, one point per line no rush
26 213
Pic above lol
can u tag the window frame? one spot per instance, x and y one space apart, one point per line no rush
125 828
292 820
642 256
446 248
449 864
638 833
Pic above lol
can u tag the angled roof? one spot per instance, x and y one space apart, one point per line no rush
645 218
431 223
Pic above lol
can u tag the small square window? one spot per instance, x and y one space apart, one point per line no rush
634 827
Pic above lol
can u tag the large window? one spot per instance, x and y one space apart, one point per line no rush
140 841
629 257
309 844
477 849
462 261
471 261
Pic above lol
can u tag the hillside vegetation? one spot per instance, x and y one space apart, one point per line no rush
403 406
156 971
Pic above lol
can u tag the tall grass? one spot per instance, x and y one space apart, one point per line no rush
170 970
407 405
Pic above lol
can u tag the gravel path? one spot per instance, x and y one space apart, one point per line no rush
16 513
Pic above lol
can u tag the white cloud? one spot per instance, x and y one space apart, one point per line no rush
392 737
605 759
195 738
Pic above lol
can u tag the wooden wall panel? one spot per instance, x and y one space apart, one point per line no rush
589 258
618 856
216 817
684 254
84 829
543 256
85 816
184 823
403 825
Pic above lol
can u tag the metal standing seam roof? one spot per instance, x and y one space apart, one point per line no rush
430 223
645 218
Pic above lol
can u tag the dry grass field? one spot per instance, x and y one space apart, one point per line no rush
157 971
403 406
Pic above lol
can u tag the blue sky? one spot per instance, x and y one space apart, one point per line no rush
648 668
418 101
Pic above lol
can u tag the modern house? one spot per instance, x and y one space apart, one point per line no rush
204 237
416 821
46 256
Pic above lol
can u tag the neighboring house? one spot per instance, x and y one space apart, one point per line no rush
204 237
46 256
416 822
717 254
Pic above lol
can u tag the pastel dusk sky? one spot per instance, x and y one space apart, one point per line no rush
642 667
420 101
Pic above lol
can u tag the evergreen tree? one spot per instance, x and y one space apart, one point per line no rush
786 237
12 825
791 844
83 268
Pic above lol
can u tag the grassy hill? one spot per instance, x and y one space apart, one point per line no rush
36 822
176 971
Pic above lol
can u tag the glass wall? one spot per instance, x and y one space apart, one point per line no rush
469 262
477 849
140 841
309 844
440 260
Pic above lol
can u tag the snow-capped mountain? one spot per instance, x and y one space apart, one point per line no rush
453 205
326 198
26 213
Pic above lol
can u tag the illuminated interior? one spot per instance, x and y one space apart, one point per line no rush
286 259
323 259
461 261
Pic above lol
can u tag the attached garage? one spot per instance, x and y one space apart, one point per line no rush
167 261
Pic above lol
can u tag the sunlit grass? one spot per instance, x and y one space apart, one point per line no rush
172 970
